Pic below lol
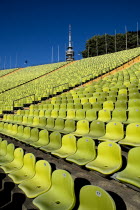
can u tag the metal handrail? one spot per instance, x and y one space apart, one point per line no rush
22 98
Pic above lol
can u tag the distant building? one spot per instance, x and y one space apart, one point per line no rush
70 51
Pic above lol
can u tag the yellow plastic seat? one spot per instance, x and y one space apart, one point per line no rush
35 122
85 151
70 114
26 172
104 115
114 132
97 129
108 105
132 137
17 162
82 128
40 183
43 139
131 174
48 113
93 197
60 196
108 160
119 104
54 113
54 143
68 146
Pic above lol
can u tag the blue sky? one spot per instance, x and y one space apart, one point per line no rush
29 28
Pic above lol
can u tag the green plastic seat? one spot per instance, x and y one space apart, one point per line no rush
43 139
59 124
132 137
91 115
26 172
50 123
114 132
97 106
48 113
1 126
82 128
5 128
118 115
108 160
87 106
111 98
3 148
131 174
42 122
70 106
133 116
120 105
104 115
108 105
68 146
36 113
40 183
17 162
135 95
122 97
97 129
34 136
69 126
80 114
54 143
9 156
85 151
84 100
35 121
30 120
133 104
78 105
60 196
26 134
93 197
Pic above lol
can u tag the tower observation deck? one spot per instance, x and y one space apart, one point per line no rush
70 51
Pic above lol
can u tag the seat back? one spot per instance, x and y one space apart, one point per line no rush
69 125
82 127
104 115
42 121
50 123
44 136
97 128
3 148
59 124
70 114
43 172
94 197
115 129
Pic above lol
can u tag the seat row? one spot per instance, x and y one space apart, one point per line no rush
93 104
51 190
105 115
112 131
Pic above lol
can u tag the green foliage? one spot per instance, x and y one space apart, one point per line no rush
99 45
